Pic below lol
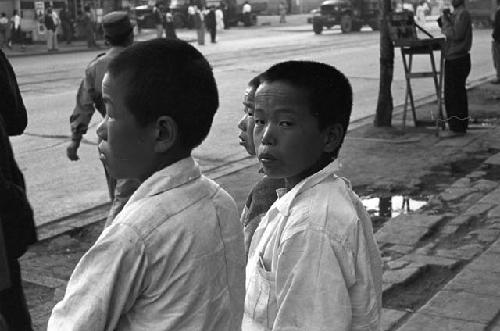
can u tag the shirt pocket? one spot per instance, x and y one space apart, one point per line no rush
260 303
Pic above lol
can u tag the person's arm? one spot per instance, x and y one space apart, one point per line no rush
319 285
457 29
84 109
12 110
105 283
496 28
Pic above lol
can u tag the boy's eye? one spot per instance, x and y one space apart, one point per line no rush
250 112
286 124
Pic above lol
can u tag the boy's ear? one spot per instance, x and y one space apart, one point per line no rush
166 134
333 136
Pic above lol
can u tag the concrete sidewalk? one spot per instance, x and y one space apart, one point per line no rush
441 260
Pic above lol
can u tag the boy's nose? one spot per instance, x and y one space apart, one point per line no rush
102 130
242 124
268 136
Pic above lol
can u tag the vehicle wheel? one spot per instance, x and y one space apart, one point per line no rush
346 23
317 28
375 25
356 26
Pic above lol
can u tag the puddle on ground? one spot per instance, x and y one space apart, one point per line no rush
391 206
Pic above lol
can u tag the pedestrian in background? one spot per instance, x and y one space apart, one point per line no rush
89 27
199 24
16 215
15 35
66 24
169 25
158 20
4 30
173 259
219 18
51 23
118 33
211 22
191 16
495 44
457 27
247 14
282 12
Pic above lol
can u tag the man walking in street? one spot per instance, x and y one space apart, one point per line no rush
51 23
66 24
118 33
495 44
88 25
211 23
247 14
158 20
457 28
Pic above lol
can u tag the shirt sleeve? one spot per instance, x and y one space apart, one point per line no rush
456 29
311 287
84 109
105 283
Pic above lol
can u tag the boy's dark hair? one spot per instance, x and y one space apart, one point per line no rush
328 90
255 82
169 77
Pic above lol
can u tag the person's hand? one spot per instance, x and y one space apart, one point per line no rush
71 150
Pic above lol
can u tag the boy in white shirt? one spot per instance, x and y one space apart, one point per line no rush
313 262
173 258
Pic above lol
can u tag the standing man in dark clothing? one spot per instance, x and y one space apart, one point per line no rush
211 23
66 24
119 34
495 44
457 28
16 215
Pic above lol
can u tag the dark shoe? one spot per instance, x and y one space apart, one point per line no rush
496 81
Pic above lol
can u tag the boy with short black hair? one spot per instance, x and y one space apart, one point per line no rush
173 259
313 261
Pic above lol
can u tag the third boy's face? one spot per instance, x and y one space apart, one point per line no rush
287 136
246 123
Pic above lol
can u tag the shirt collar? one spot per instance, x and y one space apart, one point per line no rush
170 177
285 201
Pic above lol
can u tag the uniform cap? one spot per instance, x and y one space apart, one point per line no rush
116 24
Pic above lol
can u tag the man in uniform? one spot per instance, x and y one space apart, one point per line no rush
118 33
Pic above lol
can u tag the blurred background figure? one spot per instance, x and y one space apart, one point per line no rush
495 44
211 23
158 20
282 12
169 25
199 24
4 30
66 24
51 23
219 18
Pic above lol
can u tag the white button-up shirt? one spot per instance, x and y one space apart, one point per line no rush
313 262
173 259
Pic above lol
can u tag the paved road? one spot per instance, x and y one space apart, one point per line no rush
58 187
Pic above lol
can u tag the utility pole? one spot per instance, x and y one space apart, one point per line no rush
385 106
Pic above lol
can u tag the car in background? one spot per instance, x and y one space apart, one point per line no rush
312 13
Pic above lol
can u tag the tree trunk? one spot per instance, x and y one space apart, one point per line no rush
384 103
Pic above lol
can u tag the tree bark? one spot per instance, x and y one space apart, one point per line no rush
385 106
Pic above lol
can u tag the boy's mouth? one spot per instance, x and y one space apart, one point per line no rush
266 158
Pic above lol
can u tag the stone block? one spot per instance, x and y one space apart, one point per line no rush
423 322
479 282
478 208
397 264
390 317
493 160
455 193
462 305
486 235
488 261
401 276
485 185
476 174
449 229
461 220
400 234
495 212
466 252
423 260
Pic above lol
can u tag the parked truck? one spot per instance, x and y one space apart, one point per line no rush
351 15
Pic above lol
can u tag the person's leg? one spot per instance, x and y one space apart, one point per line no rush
54 42
13 302
456 72
495 48
49 39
